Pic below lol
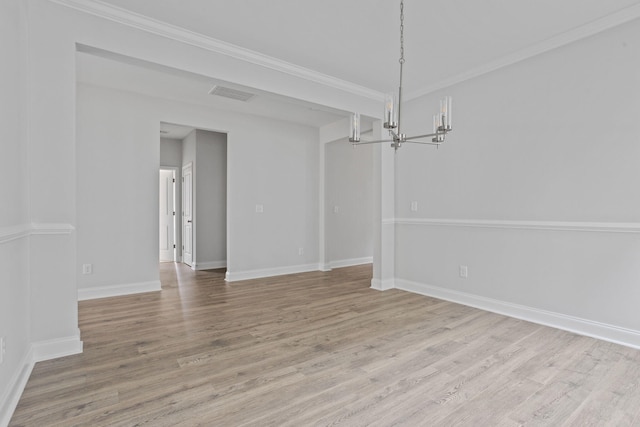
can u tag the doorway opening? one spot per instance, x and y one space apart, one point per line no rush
198 159
167 215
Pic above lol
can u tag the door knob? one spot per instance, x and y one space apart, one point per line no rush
189 221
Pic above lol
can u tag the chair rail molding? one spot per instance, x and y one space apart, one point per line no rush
10 233
581 226
15 232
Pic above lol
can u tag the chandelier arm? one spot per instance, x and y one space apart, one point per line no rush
428 135
424 142
372 142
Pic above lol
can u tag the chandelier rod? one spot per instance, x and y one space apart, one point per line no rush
401 61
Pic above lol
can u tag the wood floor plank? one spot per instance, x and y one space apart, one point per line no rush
319 349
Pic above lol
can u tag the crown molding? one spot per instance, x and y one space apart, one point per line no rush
610 21
144 23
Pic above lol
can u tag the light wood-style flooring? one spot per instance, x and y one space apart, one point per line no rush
320 349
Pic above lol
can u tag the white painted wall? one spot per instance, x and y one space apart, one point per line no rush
349 203
14 216
118 158
551 139
171 152
273 164
52 183
270 163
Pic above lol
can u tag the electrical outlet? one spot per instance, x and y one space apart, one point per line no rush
87 268
336 209
414 206
300 251
3 349
259 208
464 271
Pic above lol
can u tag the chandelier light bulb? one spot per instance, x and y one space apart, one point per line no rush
354 131
390 102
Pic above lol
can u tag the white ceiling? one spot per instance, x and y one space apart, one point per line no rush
358 40
353 40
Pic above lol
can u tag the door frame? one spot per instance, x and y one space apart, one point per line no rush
183 223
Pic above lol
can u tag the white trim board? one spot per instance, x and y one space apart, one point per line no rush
8 234
350 262
17 383
60 347
89 293
602 331
209 265
38 229
382 285
270 272
38 352
600 227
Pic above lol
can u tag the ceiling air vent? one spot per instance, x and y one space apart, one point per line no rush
226 92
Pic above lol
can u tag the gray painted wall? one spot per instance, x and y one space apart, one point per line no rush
548 142
349 202
208 152
270 163
170 152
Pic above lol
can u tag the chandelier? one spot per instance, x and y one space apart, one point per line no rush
392 110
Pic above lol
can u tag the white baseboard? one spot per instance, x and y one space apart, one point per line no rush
325 267
269 272
590 328
59 347
118 290
351 262
209 265
17 383
382 285
38 352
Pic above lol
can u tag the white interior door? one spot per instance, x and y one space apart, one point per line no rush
187 214
167 215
